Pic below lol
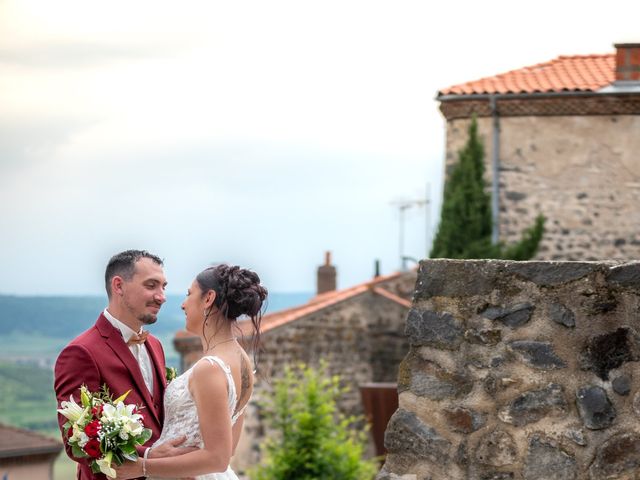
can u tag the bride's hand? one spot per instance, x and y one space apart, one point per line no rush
128 470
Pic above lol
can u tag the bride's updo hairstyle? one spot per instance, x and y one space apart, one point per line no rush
238 292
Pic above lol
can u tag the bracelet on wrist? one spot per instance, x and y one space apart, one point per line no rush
144 461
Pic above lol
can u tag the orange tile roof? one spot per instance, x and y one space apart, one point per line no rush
575 73
321 301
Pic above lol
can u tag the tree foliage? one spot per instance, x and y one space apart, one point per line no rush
465 222
310 439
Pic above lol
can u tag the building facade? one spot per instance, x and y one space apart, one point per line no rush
562 139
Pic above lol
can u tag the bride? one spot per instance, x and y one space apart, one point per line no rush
206 403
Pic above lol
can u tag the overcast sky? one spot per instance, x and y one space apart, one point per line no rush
260 133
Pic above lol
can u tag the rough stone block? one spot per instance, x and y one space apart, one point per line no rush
545 461
406 433
539 355
617 458
595 408
435 329
513 316
627 275
464 420
436 383
622 385
533 405
455 278
546 274
562 315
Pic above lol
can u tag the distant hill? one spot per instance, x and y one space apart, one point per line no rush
66 317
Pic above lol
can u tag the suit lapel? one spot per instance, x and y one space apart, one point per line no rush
160 381
114 339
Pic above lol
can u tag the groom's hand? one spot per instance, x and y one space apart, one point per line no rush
171 448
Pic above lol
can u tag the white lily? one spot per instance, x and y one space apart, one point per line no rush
105 465
77 432
71 410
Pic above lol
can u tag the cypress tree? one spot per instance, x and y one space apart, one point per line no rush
465 222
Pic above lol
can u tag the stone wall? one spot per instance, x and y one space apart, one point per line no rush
581 172
519 370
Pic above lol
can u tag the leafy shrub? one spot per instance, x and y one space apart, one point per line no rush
311 440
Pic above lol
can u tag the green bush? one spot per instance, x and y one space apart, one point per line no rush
311 439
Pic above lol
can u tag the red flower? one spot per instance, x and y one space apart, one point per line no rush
92 448
92 429
97 411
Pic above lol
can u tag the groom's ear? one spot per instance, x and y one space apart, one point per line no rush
116 285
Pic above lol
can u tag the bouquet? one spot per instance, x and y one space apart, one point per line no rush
103 429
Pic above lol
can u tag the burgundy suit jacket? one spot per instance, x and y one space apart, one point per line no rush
101 356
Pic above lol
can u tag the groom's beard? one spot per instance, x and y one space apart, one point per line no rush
146 318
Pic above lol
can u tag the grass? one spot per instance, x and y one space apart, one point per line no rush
26 397
64 468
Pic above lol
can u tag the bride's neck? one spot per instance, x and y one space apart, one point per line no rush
216 336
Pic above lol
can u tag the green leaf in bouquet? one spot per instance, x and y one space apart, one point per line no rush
128 449
144 436
118 458
130 456
78 452
95 468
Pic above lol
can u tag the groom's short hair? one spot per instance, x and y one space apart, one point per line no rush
123 264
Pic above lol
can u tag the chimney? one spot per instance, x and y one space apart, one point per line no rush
627 62
326 275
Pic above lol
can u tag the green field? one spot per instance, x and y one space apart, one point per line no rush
26 397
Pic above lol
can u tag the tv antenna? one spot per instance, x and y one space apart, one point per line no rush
403 206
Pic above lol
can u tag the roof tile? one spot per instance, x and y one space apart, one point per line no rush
585 73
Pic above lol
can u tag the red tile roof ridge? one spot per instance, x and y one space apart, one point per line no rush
281 317
392 296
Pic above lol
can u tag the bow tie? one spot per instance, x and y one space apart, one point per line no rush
138 338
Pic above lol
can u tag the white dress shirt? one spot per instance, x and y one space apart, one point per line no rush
138 350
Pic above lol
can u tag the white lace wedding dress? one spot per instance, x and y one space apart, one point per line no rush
181 416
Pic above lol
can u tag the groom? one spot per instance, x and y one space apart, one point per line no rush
117 352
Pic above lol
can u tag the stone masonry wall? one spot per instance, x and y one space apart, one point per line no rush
519 370
581 172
